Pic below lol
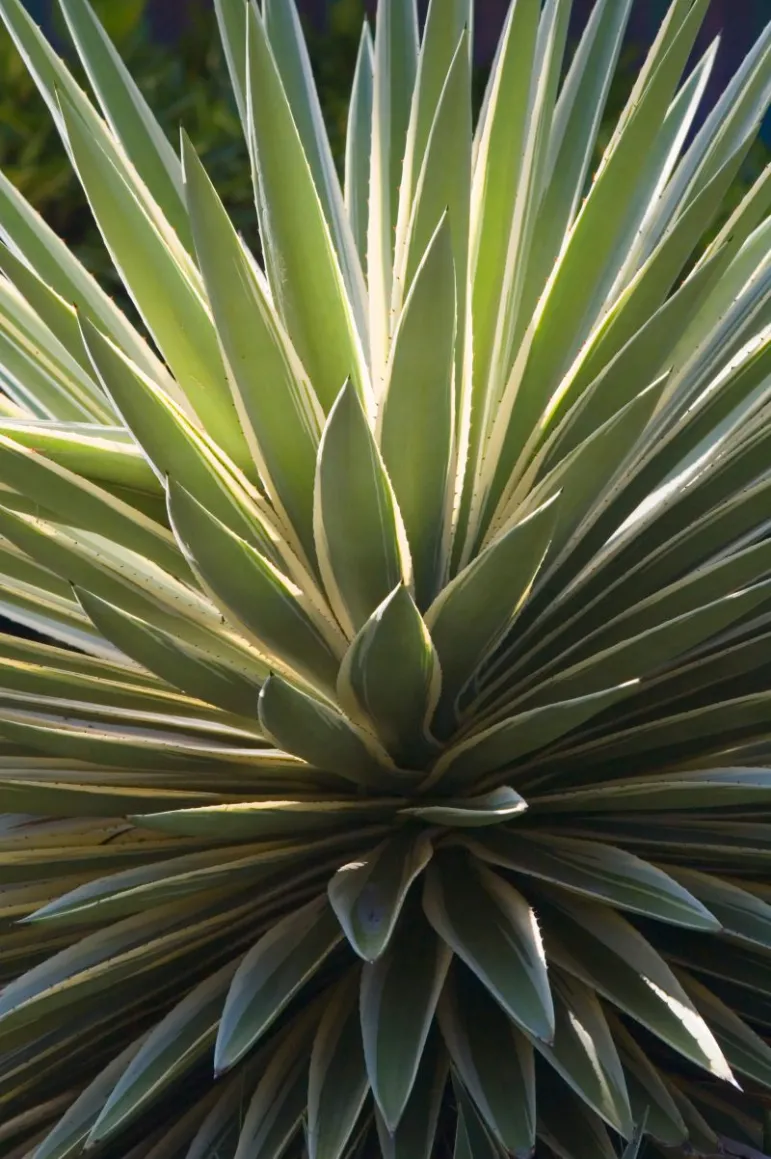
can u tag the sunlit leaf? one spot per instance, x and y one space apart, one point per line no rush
270 974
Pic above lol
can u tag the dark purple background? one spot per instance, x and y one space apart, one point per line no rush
737 21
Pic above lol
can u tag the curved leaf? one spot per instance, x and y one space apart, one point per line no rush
173 1046
271 973
279 411
391 678
285 35
395 66
283 622
337 1083
219 1132
163 283
128 113
649 1098
141 888
278 1104
164 655
502 744
67 1138
416 416
472 1139
599 871
490 926
493 808
104 959
493 1060
443 185
358 143
258 820
83 504
473 612
569 1128
607 953
399 993
316 732
303 268
584 1053
744 914
360 540
745 1050
368 895
415 1137
173 444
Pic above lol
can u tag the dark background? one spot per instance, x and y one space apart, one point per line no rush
172 49
738 22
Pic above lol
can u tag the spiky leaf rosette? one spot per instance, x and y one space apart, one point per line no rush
397 745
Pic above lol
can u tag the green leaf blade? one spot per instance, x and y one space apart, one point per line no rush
399 993
390 677
360 540
270 974
492 929
303 268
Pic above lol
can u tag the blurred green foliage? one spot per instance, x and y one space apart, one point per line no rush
187 85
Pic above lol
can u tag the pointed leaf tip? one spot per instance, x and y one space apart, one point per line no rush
360 540
368 895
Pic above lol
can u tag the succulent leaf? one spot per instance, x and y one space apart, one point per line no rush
393 745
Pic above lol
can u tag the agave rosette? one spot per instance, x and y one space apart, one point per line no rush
394 738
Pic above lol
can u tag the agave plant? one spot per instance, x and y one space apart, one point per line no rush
388 772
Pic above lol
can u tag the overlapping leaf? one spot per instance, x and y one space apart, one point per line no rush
395 733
